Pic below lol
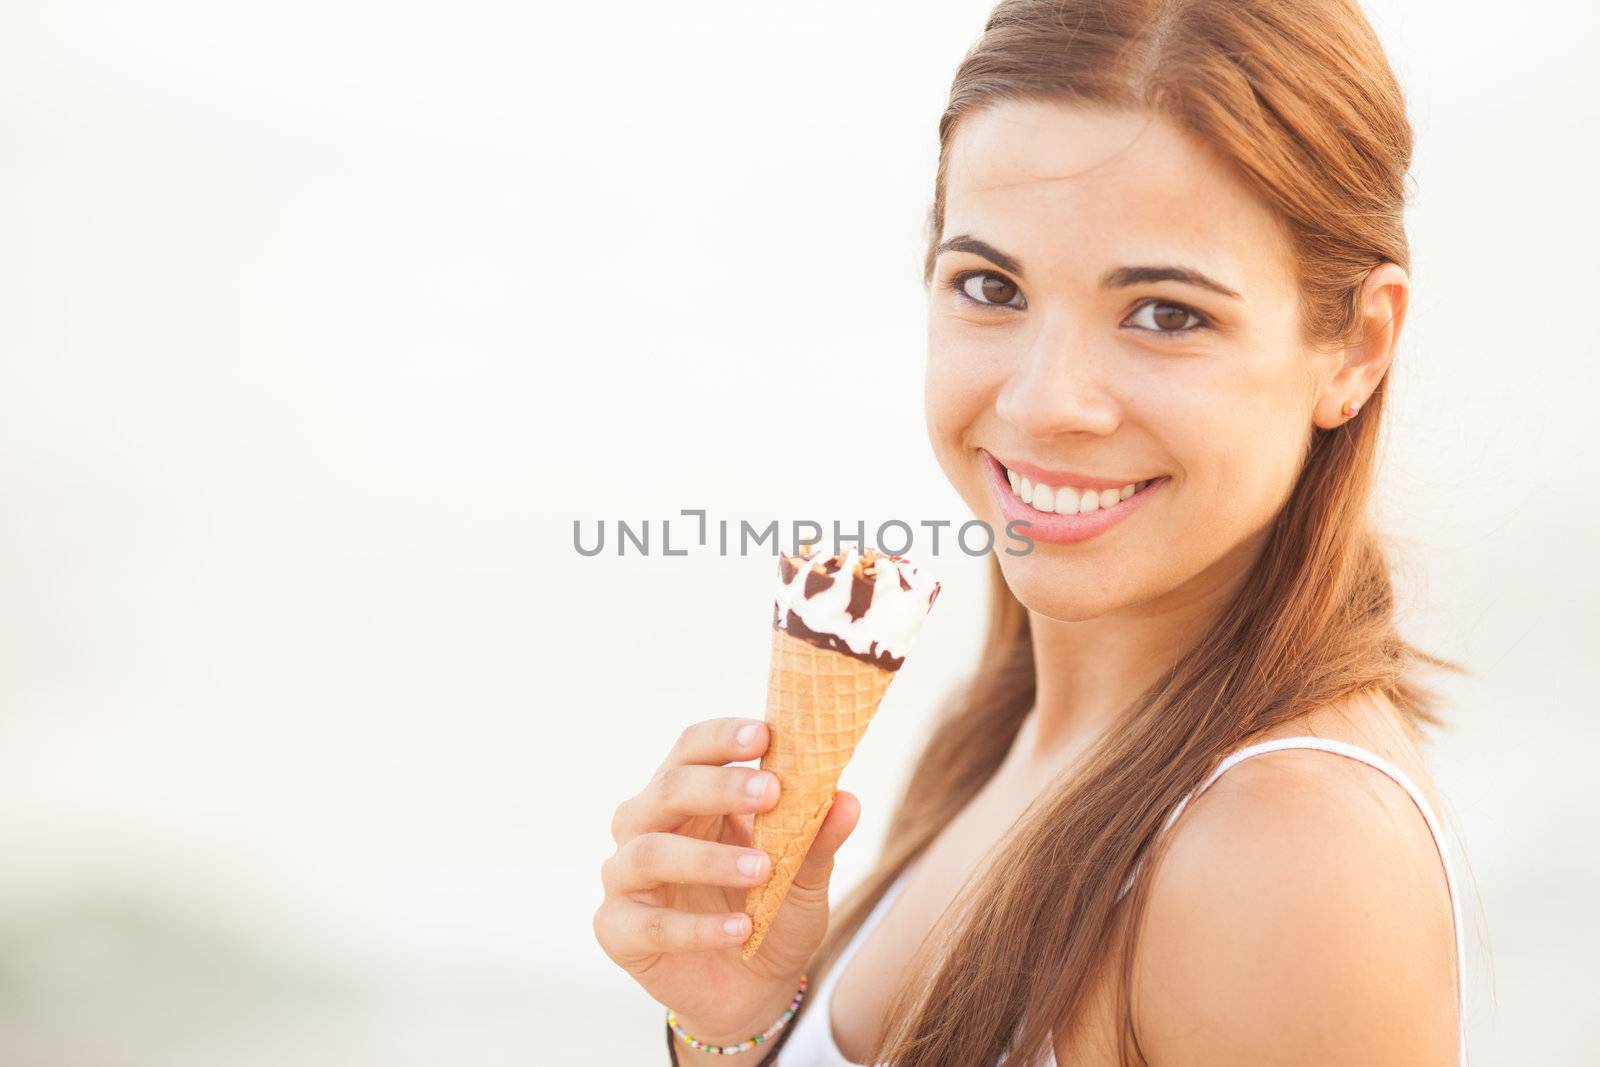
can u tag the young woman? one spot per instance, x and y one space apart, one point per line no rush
1167 271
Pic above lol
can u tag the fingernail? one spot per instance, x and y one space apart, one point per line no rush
757 785
747 734
734 925
750 864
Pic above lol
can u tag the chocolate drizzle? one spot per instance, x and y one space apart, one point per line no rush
816 582
796 627
861 590
821 574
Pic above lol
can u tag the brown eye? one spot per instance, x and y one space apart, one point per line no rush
1167 318
991 288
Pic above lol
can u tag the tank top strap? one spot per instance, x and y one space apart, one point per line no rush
824 992
813 1043
1372 759
820 1019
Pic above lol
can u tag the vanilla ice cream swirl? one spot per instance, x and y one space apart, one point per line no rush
870 606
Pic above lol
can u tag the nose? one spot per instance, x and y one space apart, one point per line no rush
1057 386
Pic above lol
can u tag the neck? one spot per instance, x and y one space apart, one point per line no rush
1090 671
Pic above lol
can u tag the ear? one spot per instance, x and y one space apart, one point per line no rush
1358 367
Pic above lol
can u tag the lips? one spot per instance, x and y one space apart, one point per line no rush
1039 475
1057 528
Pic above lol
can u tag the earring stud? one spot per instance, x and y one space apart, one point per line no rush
1349 409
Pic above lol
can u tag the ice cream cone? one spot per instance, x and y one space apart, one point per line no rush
819 704
841 626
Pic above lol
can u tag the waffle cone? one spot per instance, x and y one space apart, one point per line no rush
819 703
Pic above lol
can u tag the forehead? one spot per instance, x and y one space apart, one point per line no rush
1058 184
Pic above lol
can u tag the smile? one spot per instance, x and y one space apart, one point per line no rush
1064 513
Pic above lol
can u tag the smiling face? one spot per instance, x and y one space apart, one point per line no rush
1053 351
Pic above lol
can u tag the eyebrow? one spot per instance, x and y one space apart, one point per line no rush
1117 277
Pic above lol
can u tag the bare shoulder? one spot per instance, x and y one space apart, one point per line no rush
1300 916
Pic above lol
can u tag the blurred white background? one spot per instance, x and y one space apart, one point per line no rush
320 323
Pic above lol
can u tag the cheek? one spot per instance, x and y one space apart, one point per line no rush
957 389
945 408
1237 436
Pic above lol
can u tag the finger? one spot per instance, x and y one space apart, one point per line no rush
717 741
653 859
817 868
683 792
741 830
631 932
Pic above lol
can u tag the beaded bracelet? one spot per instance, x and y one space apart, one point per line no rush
744 1046
769 1060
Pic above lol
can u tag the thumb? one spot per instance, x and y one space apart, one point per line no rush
841 820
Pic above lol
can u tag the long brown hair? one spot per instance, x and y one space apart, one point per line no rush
1298 95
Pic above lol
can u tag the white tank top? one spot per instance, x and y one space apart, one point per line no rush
813 1045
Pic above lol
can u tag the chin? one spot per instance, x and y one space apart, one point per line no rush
1058 589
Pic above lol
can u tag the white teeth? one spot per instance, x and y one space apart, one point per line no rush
1067 500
